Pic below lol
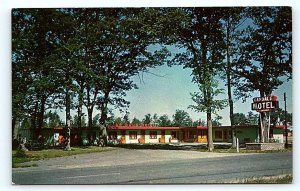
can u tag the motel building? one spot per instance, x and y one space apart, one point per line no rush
143 134
128 134
150 134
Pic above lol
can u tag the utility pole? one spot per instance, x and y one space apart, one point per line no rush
285 122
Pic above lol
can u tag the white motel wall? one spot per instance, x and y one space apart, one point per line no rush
153 140
128 140
147 136
167 136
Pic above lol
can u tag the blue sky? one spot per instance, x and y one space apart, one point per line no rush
163 95
171 91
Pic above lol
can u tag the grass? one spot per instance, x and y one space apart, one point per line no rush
284 179
276 179
52 153
243 150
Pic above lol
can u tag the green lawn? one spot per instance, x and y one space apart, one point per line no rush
243 150
286 179
52 153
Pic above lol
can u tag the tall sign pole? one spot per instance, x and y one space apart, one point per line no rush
285 121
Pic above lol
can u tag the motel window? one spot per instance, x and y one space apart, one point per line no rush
132 134
174 134
218 134
153 134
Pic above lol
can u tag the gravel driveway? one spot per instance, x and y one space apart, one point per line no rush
120 157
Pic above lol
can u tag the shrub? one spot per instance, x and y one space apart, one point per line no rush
20 153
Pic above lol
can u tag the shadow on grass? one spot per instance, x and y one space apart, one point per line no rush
53 153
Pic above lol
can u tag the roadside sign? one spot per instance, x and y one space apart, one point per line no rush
265 98
265 104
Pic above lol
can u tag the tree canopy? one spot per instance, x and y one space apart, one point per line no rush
88 54
71 58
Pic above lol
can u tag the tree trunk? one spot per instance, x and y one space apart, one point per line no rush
264 128
79 113
207 91
14 128
228 77
103 117
209 120
79 117
210 133
89 108
103 130
68 115
263 124
233 132
90 117
79 109
33 120
41 114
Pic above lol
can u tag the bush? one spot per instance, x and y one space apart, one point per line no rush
20 153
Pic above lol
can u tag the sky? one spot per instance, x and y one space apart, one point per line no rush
163 95
165 89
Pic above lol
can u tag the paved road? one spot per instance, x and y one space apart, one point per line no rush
153 167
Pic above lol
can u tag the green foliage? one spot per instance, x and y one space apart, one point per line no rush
91 55
25 124
126 119
33 80
147 119
240 119
96 120
164 121
118 120
52 119
216 121
87 54
199 122
199 34
203 105
278 116
20 153
265 51
155 119
265 54
136 121
252 118
181 119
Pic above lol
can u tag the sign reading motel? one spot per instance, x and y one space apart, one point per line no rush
264 104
